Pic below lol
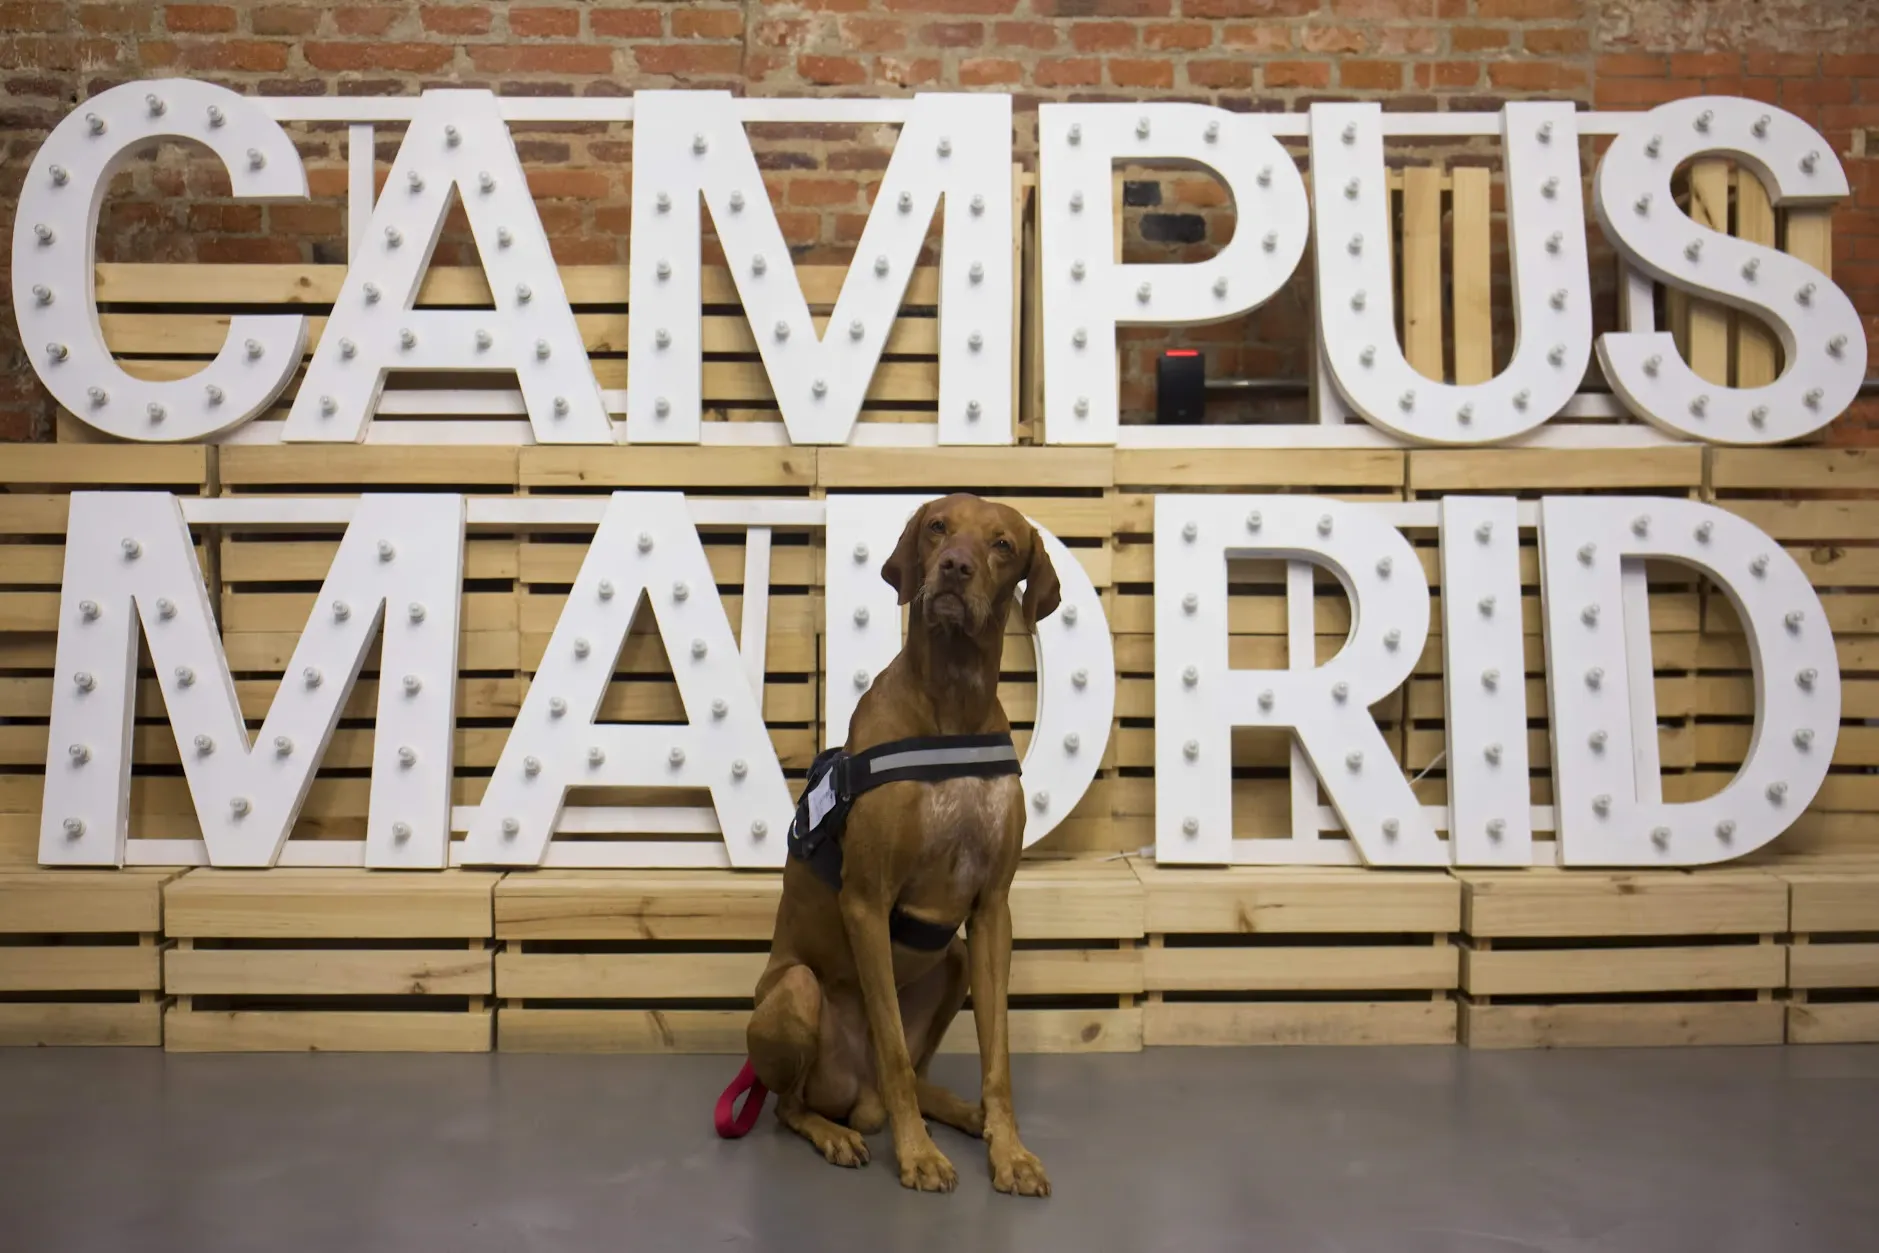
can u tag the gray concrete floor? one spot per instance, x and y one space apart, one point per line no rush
1280 1151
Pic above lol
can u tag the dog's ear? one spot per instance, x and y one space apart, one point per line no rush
903 569
1041 591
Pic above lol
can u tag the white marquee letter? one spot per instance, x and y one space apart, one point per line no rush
401 561
646 545
1552 291
955 147
1076 660
55 239
1199 699
457 145
1822 340
1595 705
1485 683
1087 293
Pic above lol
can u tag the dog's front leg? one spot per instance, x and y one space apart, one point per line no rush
1014 1167
922 1165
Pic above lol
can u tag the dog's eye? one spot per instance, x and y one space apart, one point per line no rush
937 526
1003 545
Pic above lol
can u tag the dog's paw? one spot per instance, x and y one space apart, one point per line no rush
1015 1169
927 1170
844 1147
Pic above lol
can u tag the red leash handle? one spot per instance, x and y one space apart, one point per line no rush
731 1122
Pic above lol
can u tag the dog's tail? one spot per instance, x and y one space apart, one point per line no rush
734 1123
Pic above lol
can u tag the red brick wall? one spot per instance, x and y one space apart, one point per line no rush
1245 54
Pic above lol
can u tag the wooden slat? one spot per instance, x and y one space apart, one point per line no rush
1577 972
72 902
1756 355
1236 1025
67 1024
1422 269
1632 1025
328 972
331 904
79 968
1470 250
1555 469
1709 321
1285 899
1318 968
1555 903
169 284
1245 470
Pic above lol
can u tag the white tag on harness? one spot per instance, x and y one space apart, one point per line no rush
821 800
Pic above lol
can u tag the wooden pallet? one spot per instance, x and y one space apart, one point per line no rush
1833 963
1297 955
329 960
1580 959
81 956
665 961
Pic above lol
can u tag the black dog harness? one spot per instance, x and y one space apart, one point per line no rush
836 778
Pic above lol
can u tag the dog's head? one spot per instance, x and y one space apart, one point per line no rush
962 559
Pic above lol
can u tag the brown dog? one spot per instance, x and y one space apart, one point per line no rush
944 852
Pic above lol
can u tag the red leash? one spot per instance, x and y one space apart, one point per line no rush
733 1123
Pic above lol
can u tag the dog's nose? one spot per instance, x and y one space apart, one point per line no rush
955 565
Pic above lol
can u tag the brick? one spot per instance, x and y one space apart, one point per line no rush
1333 39
543 58
831 71
195 19
1103 8
1220 75
1408 40
372 55
1861 65
1386 10
952 34
1178 36
822 191
306 219
1138 72
1556 42
1704 64
626 23
1632 65
1068 72
908 71
102 18
1784 64
924 7
1636 93
284 19
545 23
227 219
1294 74
1537 76
236 54
680 60
990 72
1039 35
1449 74
1257 39
366 20
1478 38
565 184
466 19
248 250
873 34
707 24
1530 10
1370 75
1102 36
